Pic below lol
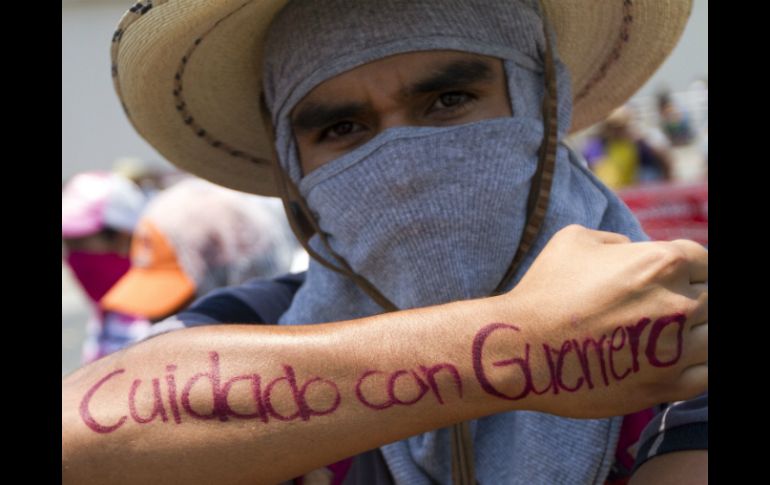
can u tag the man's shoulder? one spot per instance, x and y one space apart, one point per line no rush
256 301
259 300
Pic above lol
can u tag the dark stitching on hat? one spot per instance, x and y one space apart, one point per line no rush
614 55
188 119
139 9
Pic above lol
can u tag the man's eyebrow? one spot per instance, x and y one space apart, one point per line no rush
452 75
314 116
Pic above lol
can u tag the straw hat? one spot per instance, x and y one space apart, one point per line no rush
188 73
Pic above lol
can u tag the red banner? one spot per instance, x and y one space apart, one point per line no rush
671 211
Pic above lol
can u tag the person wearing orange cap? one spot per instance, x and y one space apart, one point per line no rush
475 310
195 237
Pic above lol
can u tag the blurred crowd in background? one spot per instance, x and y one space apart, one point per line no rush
663 138
141 242
654 152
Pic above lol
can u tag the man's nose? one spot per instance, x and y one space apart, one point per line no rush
396 118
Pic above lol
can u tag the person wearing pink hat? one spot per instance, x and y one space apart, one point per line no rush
99 213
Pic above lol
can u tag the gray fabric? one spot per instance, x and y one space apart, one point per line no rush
401 231
512 447
338 35
431 215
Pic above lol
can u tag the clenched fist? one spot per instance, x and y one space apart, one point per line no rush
623 326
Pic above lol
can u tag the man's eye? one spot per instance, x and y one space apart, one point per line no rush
340 130
451 100
451 104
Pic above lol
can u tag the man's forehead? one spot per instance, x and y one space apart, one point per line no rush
299 55
416 73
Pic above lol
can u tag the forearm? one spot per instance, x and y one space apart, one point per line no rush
272 402
261 404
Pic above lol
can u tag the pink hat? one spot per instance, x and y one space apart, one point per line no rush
95 200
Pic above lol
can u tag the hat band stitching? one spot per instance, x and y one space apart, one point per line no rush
138 9
614 55
180 103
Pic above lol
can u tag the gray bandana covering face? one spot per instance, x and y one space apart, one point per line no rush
431 215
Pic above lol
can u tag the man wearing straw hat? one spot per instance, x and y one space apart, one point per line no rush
416 147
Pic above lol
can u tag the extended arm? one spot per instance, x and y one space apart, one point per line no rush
245 404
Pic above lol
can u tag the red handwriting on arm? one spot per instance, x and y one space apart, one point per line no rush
262 399
85 413
420 385
402 387
622 338
304 410
652 343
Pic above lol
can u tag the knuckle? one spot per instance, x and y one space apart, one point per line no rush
703 299
675 254
566 233
690 245
670 258
703 308
571 230
688 306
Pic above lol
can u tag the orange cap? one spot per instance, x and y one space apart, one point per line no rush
156 285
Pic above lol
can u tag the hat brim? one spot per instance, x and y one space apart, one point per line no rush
189 74
151 293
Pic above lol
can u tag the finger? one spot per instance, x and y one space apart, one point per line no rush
699 291
700 313
697 345
697 259
693 381
606 237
